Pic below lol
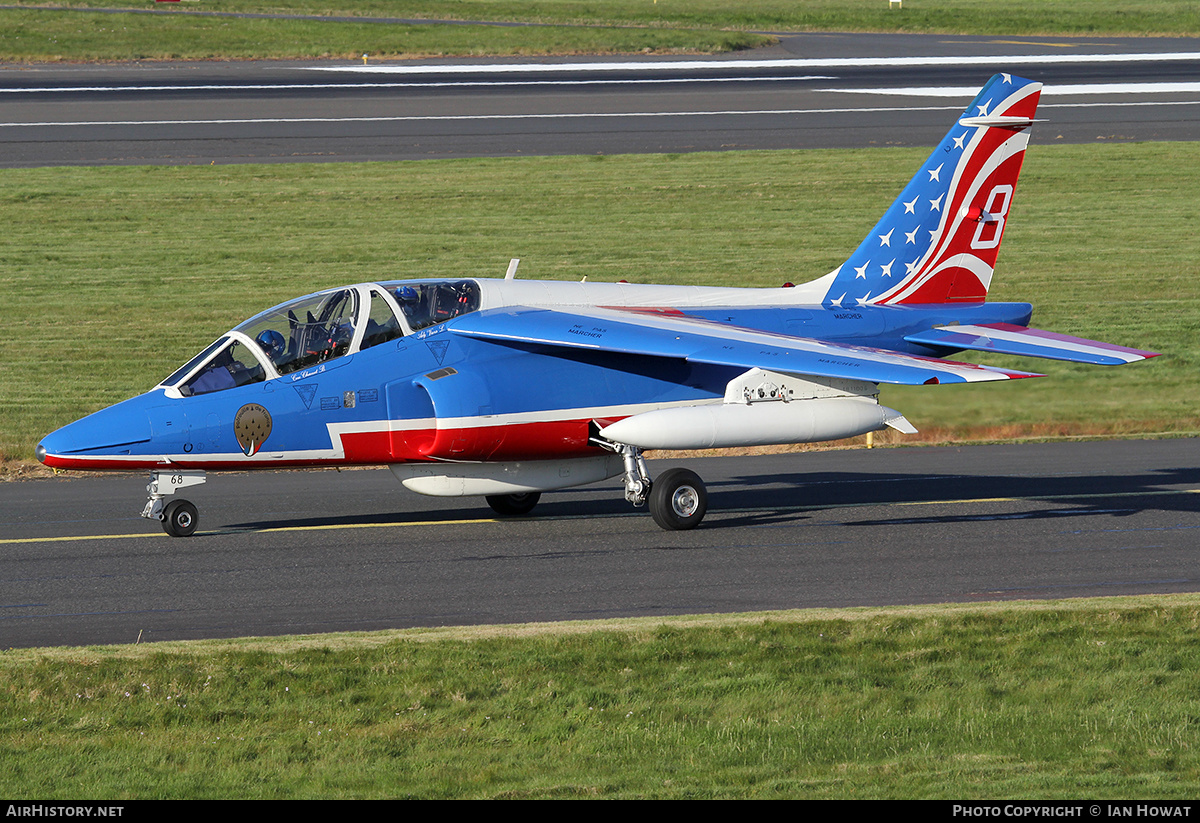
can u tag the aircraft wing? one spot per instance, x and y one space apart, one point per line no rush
1005 338
703 341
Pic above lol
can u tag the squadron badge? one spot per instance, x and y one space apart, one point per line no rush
251 426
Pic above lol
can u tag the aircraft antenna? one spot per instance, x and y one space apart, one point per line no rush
512 268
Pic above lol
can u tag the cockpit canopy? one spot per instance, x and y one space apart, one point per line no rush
314 329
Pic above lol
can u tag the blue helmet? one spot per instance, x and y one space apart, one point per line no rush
272 343
406 294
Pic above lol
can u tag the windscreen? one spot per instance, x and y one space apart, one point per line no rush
306 331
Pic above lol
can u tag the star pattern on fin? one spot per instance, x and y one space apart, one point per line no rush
921 213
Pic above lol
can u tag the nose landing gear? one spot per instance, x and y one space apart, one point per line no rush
179 517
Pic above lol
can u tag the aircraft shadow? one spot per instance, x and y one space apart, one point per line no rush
752 500
1049 497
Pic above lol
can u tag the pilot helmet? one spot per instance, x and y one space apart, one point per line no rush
406 294
271 342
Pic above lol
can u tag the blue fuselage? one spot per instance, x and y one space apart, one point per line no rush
437 395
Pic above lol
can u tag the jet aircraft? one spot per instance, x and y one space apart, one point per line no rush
509 388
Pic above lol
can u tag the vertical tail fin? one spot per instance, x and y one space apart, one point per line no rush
939 240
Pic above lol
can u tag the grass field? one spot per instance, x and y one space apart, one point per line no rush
1075 699
68 31
114 276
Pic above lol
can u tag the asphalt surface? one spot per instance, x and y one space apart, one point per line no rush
322 551
811 91
303 552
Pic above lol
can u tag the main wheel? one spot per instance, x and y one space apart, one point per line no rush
180 519
513 504
678 499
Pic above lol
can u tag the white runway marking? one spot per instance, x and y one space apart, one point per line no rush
1049 90
793 63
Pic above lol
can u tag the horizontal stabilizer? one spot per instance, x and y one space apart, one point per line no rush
996 121
702 341
1005 338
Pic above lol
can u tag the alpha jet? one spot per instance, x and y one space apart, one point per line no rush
508 388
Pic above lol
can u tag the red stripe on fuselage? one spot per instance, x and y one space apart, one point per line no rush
543 440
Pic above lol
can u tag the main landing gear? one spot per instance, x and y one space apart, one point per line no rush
179 517
678 499
510 505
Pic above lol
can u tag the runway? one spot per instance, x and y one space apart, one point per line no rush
304 552
301 552
812 91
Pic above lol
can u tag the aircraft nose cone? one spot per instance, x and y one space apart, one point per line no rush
55 443
114 431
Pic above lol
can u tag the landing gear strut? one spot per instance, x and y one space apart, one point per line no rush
637 478
179 517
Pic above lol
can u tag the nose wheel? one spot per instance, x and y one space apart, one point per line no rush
179 517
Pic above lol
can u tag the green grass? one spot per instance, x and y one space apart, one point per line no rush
564 26
1076 699
114 276
46 36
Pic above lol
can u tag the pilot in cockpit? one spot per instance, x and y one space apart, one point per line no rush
414 306
273 344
